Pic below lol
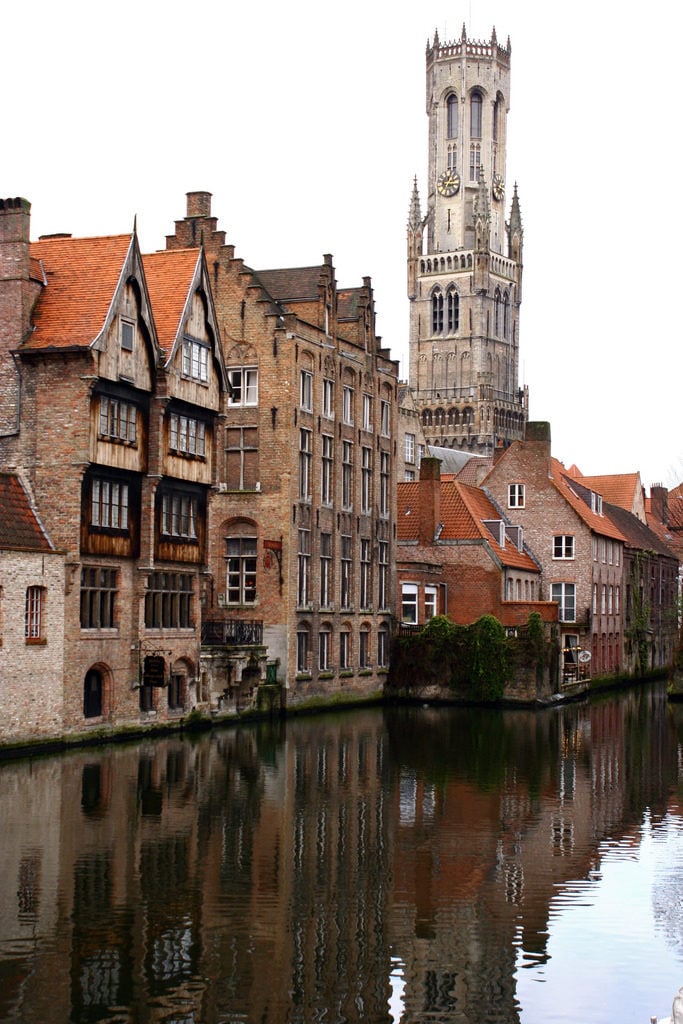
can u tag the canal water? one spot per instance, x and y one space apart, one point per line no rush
389 866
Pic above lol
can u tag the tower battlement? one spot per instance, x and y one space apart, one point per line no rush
476 48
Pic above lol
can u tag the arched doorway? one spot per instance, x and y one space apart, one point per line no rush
93 690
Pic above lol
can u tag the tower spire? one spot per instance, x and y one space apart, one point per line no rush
415 214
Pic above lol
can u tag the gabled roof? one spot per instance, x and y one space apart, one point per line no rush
20 528
463 512
170 275
82 275
576 494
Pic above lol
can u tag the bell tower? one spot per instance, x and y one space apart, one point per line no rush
464 259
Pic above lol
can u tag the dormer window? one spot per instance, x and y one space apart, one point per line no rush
596 503
127 334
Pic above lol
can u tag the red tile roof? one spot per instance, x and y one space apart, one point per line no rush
622 489
82 275
169 275
463 510
570 489
20 529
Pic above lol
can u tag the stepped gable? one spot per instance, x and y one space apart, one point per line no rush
81 277
20 528
169 275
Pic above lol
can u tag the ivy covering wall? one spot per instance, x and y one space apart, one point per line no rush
476 662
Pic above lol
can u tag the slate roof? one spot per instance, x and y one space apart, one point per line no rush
82 275
636 534
292 284
20 529
463 510
169 275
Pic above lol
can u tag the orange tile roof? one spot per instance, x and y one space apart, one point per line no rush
82 275
620 489
566 486
20 529
463 510
169 275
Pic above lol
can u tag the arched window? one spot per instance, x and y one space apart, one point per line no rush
475 115
506 316
437 312
453 310
452 116
426 417
496 312
496 113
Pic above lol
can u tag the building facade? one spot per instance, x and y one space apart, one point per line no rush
464 259
303 515
113 383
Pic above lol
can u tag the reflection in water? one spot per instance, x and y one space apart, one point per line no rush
398 865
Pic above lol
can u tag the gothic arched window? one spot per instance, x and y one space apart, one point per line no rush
437 311
475 115
496 313
452 116
453 310
506 316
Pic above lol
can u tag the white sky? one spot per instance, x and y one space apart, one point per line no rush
306 120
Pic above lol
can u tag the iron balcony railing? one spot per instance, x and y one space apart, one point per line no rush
232 633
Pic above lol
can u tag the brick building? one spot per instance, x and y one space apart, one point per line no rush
112 383
460 556
587 549
31 619
303 516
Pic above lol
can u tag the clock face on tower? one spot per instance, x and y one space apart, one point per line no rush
448 183
498 187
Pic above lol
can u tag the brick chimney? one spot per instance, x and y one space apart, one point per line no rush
430 499
198 227
659 503
17 297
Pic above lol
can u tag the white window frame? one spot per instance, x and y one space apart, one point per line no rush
409 609
328 398
516 495
385 418
326 469
347 404
564 594
563 546
410 448
118 420
367 413
306 391
244 385
431 602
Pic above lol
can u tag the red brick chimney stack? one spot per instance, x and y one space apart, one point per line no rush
430 499
17 295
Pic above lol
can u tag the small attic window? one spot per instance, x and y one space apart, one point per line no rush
596 503
127 334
